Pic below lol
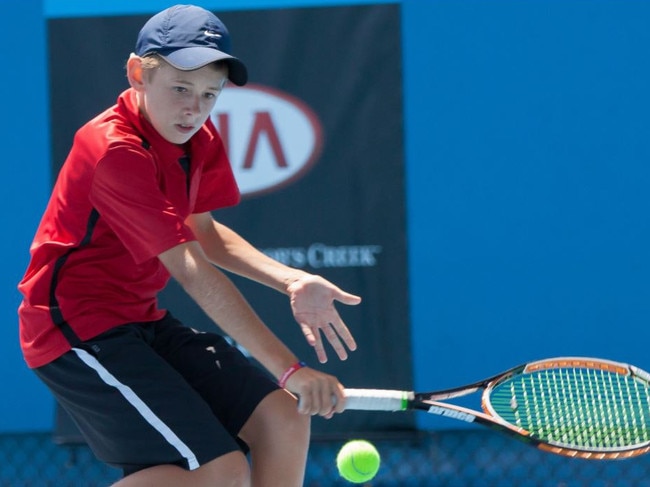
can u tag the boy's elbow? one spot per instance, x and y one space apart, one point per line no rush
183 262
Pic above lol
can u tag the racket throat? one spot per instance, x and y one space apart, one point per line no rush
452 413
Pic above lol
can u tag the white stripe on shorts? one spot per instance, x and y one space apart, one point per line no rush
141 407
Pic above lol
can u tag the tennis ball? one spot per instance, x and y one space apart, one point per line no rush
358 461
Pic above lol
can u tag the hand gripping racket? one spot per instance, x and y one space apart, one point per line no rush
574 406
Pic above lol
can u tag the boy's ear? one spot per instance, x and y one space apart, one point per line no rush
135 73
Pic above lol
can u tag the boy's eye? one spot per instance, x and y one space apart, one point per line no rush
180 89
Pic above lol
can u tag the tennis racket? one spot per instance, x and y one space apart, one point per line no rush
574 406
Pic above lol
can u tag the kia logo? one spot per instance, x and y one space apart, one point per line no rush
272 138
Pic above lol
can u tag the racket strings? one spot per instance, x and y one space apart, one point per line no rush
576 407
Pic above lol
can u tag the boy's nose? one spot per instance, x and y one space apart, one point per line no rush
194 106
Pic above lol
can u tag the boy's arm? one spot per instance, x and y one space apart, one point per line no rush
312 297
223 303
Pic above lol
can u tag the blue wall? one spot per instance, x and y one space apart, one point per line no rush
528 172
527 176
25 404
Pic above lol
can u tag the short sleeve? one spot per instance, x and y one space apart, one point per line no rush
126 193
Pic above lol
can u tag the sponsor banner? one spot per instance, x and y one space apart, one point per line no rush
272 138
315 140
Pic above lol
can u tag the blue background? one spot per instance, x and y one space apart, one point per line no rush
527 180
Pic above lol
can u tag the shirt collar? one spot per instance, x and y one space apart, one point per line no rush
127 103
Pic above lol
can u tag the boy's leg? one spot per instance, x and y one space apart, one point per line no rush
230 470
278 437
137 413
248 403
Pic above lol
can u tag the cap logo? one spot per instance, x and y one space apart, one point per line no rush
212 34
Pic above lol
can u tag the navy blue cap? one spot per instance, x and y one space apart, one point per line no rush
189 37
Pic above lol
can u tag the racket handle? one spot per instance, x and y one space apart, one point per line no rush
377 399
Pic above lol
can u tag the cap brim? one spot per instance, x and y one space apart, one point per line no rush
196 57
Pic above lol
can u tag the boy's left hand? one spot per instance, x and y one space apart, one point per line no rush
312 302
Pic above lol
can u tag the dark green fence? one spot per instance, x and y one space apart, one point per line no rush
467 458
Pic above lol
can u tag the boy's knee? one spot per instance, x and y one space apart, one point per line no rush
292 424
277 417
231 470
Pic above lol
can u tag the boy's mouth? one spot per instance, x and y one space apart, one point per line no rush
185 128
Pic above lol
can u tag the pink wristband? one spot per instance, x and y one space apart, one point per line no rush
282 382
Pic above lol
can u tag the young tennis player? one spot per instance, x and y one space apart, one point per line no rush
170 405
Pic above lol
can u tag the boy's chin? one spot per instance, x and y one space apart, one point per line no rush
179 139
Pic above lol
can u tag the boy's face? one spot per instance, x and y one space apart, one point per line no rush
177 103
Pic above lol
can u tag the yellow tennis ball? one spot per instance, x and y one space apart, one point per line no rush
358 461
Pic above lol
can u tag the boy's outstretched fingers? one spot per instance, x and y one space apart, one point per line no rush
333 333
312 301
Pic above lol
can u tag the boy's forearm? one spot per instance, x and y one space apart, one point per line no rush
233 253
224 304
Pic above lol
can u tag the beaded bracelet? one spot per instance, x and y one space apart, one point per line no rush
282 382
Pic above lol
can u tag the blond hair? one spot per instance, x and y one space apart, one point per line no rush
151 61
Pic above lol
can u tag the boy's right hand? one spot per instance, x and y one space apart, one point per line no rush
318 393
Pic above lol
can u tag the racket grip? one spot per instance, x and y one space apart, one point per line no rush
377 399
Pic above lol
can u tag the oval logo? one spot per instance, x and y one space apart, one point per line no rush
271 137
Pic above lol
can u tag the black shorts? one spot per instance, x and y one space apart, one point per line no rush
147 394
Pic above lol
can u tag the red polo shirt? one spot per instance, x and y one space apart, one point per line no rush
120 200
